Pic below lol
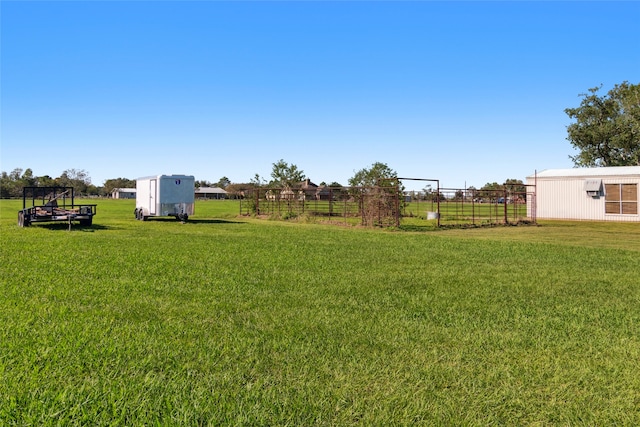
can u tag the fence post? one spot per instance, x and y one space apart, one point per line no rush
506 214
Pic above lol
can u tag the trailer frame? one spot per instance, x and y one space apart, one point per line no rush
53 204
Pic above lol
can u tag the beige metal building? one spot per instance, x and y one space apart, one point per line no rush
123 193
210 193
597 194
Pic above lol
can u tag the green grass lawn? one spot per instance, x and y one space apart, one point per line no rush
229 320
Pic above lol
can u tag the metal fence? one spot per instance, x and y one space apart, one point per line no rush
369 206
460 207
380 206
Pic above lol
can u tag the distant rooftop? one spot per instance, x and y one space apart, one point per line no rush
210 190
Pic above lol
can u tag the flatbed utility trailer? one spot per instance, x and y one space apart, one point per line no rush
165 195
53 204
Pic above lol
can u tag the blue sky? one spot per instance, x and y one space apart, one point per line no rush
464 92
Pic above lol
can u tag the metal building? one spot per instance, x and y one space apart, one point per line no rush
210 193
123 193
597 194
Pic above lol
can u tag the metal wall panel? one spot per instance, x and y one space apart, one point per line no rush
566 198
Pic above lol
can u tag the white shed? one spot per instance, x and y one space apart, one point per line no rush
123 193
210 193
598 194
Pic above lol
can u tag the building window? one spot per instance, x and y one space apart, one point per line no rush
621 199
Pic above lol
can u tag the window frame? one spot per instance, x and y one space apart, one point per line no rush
621 198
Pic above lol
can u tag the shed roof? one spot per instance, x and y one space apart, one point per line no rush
210 190
588 172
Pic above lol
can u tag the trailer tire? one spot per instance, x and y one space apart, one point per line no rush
86 222
22 220
135 213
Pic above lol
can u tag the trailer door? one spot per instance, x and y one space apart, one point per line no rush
152 196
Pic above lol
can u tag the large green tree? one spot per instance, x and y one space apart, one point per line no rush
285 175
222 182
8 185
112 184
515 185
378 174
491 191
606 131
79 179
380 194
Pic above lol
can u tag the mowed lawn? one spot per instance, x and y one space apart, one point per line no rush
235 321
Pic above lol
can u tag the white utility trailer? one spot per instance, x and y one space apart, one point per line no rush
165 195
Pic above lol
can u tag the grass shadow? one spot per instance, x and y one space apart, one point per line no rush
214 221
418 228
59 226
195 221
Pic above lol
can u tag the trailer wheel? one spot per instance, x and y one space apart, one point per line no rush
135 213
86 222
22 220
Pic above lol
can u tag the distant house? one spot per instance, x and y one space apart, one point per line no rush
210 193
323 193
308 188
600 194
123 193
301 191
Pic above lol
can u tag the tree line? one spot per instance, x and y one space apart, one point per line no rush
11 183
283 175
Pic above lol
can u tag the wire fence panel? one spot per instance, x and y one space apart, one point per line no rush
459 207
386 206
368 206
